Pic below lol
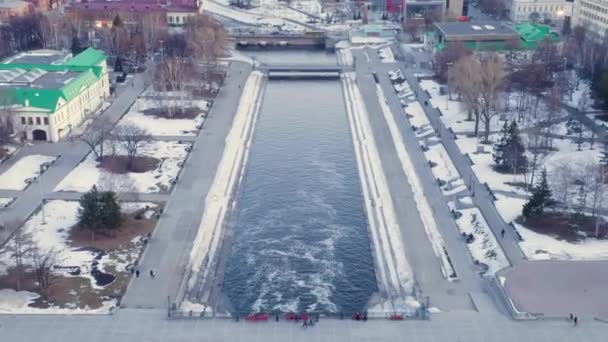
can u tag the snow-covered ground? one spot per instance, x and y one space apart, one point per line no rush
484 167
9 151
424 207
271 16
444 169
218 201
542 247
50 230
170 153
5 202
25 170
484 248
386 54
158 126
392 266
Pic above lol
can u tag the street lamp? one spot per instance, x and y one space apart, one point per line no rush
447 99
41 194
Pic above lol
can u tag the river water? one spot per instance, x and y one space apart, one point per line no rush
300 233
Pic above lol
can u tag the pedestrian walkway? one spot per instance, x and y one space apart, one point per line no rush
169 249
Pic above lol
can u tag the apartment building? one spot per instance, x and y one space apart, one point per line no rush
593 14
539 10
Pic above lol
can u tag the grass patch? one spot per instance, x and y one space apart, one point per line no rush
559 226
118 164
174 113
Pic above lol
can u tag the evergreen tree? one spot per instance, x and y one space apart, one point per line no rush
541 198
89 215
509 150
110 209
99 211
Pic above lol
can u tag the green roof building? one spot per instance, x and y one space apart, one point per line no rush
47 101
488 36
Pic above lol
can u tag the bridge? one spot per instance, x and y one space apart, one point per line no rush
255 39
303 71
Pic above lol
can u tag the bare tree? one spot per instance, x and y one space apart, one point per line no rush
19 248
492 80
174 74
132 138
466 74
43 262
562 179
96 135
206 37
597 189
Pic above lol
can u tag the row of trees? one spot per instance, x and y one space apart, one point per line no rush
102 134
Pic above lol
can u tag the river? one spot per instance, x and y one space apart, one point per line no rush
300 232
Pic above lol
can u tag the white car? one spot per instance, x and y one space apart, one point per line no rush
399 87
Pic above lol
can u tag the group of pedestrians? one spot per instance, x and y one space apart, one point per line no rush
137 273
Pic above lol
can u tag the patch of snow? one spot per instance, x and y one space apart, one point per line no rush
5 202
26 169
86 174
434 309
159 126
386 55
49 230
424 207
543 247
17 302
444 169
484 248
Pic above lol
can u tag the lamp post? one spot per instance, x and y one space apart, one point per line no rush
42 194
447 99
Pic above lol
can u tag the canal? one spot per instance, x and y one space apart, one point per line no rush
300 233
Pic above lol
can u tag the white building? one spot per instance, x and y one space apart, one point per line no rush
46 101
543 10
593 14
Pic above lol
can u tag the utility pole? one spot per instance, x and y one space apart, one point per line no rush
42 194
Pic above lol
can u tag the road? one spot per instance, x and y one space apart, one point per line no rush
151 326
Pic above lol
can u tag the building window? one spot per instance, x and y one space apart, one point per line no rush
22 120
170 19
46 121
177 19
30 121
37 121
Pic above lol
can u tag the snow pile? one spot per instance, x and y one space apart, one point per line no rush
229 173
444 169
159 126
24 171
419 120
171 155
386 55
484 248
394 272
5 202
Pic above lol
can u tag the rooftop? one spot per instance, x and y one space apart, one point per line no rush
535 32
88 57
8 4
485 28
38 57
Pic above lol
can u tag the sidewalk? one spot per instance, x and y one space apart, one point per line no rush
169 250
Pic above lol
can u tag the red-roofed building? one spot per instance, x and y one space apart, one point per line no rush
100 13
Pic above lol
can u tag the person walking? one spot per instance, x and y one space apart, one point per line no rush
152 275
136 273
502 233
305 324
575 320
